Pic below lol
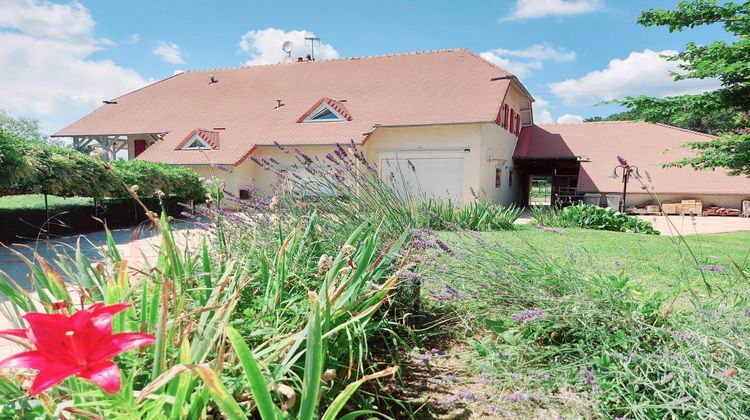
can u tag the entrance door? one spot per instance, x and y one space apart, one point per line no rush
138 147
540 190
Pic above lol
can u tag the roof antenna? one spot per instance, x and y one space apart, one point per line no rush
313 39
287 47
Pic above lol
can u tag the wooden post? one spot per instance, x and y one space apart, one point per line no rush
46 212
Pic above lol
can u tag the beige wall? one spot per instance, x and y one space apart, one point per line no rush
473 141
502 144
233 178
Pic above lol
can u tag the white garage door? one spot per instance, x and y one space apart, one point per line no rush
418 174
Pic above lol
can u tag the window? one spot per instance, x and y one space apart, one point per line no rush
196 143
244 193
498 177
512 119
326 110
505 120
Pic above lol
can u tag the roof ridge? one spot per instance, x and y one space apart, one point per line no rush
360 57
486 61
148 85
592 122
687 130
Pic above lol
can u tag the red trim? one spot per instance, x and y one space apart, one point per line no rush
205 135
330 102
507 110
244 158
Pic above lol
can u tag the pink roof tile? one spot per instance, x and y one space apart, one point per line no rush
436 87
645 145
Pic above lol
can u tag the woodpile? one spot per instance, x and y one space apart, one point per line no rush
721 211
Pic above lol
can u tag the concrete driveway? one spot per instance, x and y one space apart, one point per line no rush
134 244
686 225
130 242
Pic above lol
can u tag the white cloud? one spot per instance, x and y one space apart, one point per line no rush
528 59
133 39
541 111
46 65
531 9
641 73
570 119
264 46
169 52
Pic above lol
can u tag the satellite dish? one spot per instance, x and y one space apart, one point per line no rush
287 47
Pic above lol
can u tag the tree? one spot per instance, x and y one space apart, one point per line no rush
724 112
27 128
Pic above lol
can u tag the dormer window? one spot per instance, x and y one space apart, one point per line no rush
326 110
200 140
196 143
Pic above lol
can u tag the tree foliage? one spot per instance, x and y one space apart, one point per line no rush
723 112
32 166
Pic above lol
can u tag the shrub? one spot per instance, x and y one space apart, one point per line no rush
590 216
477 215
29 166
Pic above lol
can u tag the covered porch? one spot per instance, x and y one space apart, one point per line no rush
113 144
548 181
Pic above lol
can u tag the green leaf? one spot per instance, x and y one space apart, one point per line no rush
258 386
313 364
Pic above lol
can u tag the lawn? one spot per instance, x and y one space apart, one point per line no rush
655 262
36 202
544 323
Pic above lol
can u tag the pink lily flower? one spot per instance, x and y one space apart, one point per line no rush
81 344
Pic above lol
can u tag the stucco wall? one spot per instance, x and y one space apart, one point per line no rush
430 139
501 143
232 177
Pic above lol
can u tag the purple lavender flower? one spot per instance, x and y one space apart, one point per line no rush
590 379
305 158
275 143
422 358
444 246
516 396
221 167
716 268
411 165
410 275
529 315
274 161
622 161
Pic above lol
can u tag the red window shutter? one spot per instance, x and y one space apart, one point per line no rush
518 124
505 121
512 120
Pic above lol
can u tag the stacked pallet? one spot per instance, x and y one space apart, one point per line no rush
692 207
721 211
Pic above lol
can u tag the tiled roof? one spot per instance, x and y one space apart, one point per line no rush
645 145
439 87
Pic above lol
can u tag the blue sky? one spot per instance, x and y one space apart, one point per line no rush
62 58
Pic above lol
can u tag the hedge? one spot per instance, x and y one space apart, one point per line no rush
30 166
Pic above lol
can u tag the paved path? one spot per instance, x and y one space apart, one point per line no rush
686 225
133 244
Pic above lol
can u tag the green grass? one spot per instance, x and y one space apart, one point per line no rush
36 202
655 262
625 323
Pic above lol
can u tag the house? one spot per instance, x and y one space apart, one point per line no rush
465 124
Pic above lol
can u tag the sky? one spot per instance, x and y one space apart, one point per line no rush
60 59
